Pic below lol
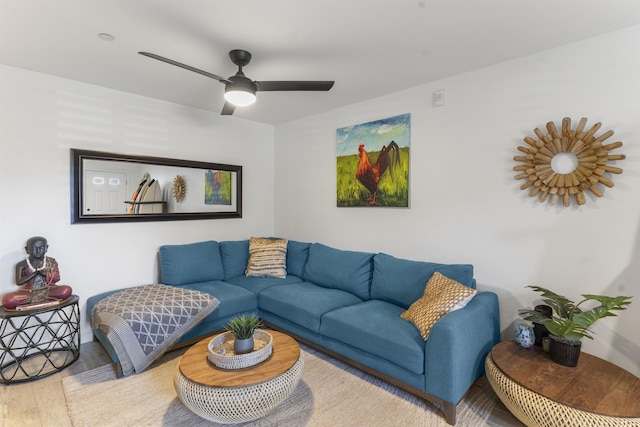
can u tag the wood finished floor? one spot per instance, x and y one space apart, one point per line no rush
41 403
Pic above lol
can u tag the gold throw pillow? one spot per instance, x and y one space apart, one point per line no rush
441 296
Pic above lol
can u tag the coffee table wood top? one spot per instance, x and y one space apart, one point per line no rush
195 365
594 386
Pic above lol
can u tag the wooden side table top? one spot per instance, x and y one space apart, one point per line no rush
195 365
594 386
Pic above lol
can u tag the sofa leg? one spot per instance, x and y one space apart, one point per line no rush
450 413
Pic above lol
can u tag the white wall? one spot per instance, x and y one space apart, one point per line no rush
42 117
465 205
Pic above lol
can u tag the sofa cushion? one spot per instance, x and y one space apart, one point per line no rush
376 327
334 268
231 299
267 258
190 263
235 255
258 284
304 303
297 255
441 296
401 281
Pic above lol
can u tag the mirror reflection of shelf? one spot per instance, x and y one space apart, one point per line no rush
151 208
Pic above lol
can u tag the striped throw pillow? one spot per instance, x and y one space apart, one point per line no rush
267 258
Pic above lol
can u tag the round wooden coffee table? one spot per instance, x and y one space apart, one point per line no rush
230 396
540 392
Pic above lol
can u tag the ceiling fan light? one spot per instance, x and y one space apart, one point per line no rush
240 91
240 97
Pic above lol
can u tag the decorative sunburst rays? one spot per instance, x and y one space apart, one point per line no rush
592 162
179 188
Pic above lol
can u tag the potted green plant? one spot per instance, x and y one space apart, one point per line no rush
570 323
242 328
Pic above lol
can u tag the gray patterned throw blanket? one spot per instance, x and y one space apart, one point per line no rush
143 322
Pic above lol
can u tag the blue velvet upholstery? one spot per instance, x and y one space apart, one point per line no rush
191 263
258 284
233 301
377 328
232 298
352 353
402 282
304 303
235 255
450 366
334 268
297 256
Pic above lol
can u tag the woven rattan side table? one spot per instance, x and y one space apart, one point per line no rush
540 392
40 342
230 396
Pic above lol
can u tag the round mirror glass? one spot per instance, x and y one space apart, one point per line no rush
564 163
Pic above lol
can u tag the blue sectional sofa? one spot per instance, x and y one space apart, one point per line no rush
347 304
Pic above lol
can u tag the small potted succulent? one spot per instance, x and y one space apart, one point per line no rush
242 328
570 323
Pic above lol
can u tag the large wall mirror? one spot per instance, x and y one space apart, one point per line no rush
107 187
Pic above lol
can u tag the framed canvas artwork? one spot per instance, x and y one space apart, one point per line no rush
217 187
373 163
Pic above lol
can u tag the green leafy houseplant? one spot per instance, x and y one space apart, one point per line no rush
242 327
569 323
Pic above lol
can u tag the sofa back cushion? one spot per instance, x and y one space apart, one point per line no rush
345 270
235 256
191 263
297 256
402 282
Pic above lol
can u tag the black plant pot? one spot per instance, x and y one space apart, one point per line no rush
540 330
565 353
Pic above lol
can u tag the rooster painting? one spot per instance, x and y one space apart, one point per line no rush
370 175
372 163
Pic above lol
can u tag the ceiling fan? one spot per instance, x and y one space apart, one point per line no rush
240 90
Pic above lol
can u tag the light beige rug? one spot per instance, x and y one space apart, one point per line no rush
331 393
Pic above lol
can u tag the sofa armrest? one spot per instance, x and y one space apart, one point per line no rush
458 345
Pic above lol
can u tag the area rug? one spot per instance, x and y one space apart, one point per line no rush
330 393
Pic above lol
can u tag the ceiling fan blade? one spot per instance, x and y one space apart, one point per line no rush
186 67
294 85
228 109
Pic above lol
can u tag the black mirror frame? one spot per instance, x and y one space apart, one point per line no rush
78 156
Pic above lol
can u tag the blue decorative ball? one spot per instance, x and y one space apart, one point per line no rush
525 336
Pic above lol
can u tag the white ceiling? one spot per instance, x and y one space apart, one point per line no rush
369 47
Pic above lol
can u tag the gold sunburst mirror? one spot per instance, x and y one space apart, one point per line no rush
566 163
179 188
